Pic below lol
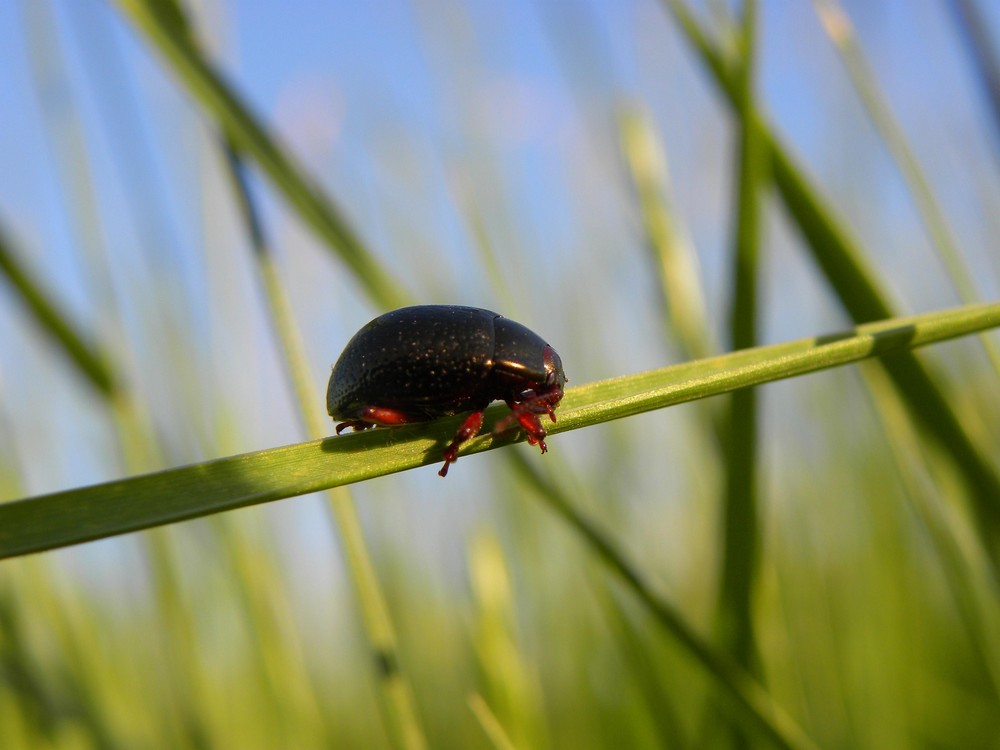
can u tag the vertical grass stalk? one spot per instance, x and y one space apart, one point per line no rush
749 701
397 697
741 529
855 283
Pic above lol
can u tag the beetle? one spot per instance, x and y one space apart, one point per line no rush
419 363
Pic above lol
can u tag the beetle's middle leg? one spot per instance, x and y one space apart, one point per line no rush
468 430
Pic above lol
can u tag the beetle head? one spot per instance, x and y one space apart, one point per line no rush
555 377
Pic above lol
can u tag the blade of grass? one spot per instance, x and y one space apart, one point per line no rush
507 675
56 700
653 693
164 28
98 511
492 727
397 696
741 533
754 706
675 260
975 30
970 581
856 285
87 359
841 32
185 720
673 255
166 25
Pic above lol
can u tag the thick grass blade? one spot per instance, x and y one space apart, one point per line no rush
674 260
975 30
79 515
395 689
749 700
164 28
166 25
855 282
740 532
88 360
841 32
970 579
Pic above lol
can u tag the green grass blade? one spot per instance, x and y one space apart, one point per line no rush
673 256
752 703
974 590
95 512
841 32
857 287
510 690
88 360
975 30
741 533
492 727
164 28
395 689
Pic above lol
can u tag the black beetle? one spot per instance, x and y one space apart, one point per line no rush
428 361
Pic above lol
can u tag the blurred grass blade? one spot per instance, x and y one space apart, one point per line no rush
87 359
672 254
184 720
857 287
394 687
492 727
970 581
975 29
674 257
840 30
754 705
659 703
162 25
741 532
95 512
507 674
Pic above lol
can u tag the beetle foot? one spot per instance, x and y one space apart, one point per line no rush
526 414
468 430
357 424
539 441
534 431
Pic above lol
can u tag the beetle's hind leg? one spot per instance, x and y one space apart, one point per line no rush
468 430
377 416
356 424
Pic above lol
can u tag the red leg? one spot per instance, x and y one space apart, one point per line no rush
468 430
372 416
386 417
532 428
357 424
526 413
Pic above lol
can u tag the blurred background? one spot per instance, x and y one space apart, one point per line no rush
515 156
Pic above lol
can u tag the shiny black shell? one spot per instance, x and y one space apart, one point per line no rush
431 361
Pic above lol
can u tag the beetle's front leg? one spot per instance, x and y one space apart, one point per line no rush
526 413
